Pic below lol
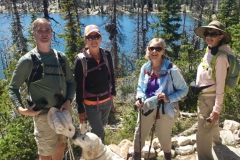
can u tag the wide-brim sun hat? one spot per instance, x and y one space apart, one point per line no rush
90 29
61 122
214 25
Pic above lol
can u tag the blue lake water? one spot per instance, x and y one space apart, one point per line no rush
127 21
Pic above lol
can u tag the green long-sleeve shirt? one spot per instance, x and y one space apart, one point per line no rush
48 86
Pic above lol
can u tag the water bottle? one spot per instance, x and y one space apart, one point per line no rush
83 127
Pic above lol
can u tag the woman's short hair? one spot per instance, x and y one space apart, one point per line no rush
158 41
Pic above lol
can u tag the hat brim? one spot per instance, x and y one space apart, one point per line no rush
93 32
65 118
51 111
200 30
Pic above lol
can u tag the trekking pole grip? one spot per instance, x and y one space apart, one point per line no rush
140 101
162 103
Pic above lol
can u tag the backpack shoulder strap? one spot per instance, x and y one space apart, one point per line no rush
34 60
169 67
82 57
213 62
61 61
104 54
36 65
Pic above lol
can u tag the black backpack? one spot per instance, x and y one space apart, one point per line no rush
37 72
82 57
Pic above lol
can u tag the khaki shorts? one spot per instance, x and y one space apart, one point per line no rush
46 138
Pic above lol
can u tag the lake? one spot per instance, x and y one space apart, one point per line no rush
127 22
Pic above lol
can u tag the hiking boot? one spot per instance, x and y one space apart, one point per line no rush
136 156
167 156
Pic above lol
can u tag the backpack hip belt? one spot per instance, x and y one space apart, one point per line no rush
87 94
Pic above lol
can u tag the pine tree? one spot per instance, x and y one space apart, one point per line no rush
45 9
235 42
140 31
198 10
229 13
167 27
74 40
30 39
116 37
17 30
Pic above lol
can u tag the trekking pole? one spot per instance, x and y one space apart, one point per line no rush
140 128
154 125
140 119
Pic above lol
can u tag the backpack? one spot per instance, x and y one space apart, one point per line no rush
82 57
233 70
37 71
37 74
169 67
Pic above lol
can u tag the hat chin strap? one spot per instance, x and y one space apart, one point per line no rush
214 50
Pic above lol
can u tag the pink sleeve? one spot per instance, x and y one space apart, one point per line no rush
221 72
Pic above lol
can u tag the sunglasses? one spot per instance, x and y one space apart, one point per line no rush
158 49
94 37
212 34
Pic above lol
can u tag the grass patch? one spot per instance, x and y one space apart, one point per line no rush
127 116
126 89
183 124
115 137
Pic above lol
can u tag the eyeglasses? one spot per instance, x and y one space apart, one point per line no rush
158 49
94 37
212 34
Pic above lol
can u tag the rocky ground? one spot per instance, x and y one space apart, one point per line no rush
185 146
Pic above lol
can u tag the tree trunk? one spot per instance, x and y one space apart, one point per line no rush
77 15
138 32
115 46
22 45
142 28
45 9
199 7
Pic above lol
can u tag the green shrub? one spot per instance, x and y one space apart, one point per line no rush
17 139
129 119
126 90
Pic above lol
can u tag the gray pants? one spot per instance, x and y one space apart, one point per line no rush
208 133
98 118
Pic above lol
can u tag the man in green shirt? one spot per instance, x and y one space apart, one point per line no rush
53 83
